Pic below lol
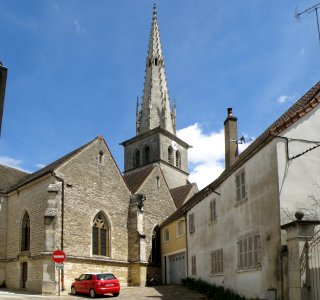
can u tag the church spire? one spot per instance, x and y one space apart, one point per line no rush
156 110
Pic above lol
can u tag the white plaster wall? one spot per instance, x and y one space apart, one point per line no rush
258 214
299 179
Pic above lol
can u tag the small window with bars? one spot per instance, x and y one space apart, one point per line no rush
217 261
241 190
170 155
193 265
249 252
137 158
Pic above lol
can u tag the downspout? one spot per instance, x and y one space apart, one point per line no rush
62 224
186 225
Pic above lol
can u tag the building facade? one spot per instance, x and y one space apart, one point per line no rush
104 221
234 238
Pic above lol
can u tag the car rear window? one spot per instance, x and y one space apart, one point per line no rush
105 277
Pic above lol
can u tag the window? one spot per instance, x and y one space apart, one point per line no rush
170 155
248 252
191 223
193 265
146 154
180 227
241 185
217 261
178 159
158 181
212 210
101 157
166 235
100 235
137 158
155 252
25 232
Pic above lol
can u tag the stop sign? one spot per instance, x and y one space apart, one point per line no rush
58 256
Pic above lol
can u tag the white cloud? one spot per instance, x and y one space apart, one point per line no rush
40 166
79 30
206 157
12 162
283 99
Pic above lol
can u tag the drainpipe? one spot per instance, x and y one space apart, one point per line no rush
62 224
186 225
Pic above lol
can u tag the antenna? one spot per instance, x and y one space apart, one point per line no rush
308 11
242 140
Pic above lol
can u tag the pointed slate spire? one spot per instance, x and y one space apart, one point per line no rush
155 109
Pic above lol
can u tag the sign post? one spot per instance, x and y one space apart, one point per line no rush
58 257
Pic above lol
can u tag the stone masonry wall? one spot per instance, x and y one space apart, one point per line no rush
90 187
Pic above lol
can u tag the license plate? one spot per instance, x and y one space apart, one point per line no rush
109 284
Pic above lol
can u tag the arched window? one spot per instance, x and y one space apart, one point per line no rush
146 154
156 254
137 158
25 232
178 159
100 235
170 155
156 61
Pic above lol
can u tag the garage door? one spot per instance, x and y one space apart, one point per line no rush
177 267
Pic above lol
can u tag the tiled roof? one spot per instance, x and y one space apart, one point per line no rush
305 104
50 168
179 194
136 178
9 177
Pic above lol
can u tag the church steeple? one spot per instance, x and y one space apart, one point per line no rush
155 110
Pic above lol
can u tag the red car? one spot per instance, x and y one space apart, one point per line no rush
96 284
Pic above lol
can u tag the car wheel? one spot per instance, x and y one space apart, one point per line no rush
73 290
115 294
92 293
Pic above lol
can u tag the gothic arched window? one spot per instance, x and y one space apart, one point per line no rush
25 232
155 253
146 154
170 155
137 158
100 235
178 159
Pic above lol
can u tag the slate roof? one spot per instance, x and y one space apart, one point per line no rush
49 168
180 193
135 179
304 105
9 177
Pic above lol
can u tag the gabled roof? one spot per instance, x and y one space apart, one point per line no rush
136 178
9 177
303 106
180 193
49 168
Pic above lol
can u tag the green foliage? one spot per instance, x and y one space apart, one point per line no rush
212 291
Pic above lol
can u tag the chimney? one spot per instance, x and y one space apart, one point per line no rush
3 79
230 139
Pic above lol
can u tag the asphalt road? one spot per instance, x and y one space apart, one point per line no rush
162 292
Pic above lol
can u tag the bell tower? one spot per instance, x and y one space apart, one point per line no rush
156 141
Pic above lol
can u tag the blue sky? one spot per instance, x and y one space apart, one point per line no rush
76 67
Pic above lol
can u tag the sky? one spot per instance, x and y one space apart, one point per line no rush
76 68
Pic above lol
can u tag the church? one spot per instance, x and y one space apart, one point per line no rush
103 219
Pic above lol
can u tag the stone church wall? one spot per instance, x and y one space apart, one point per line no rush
90 187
